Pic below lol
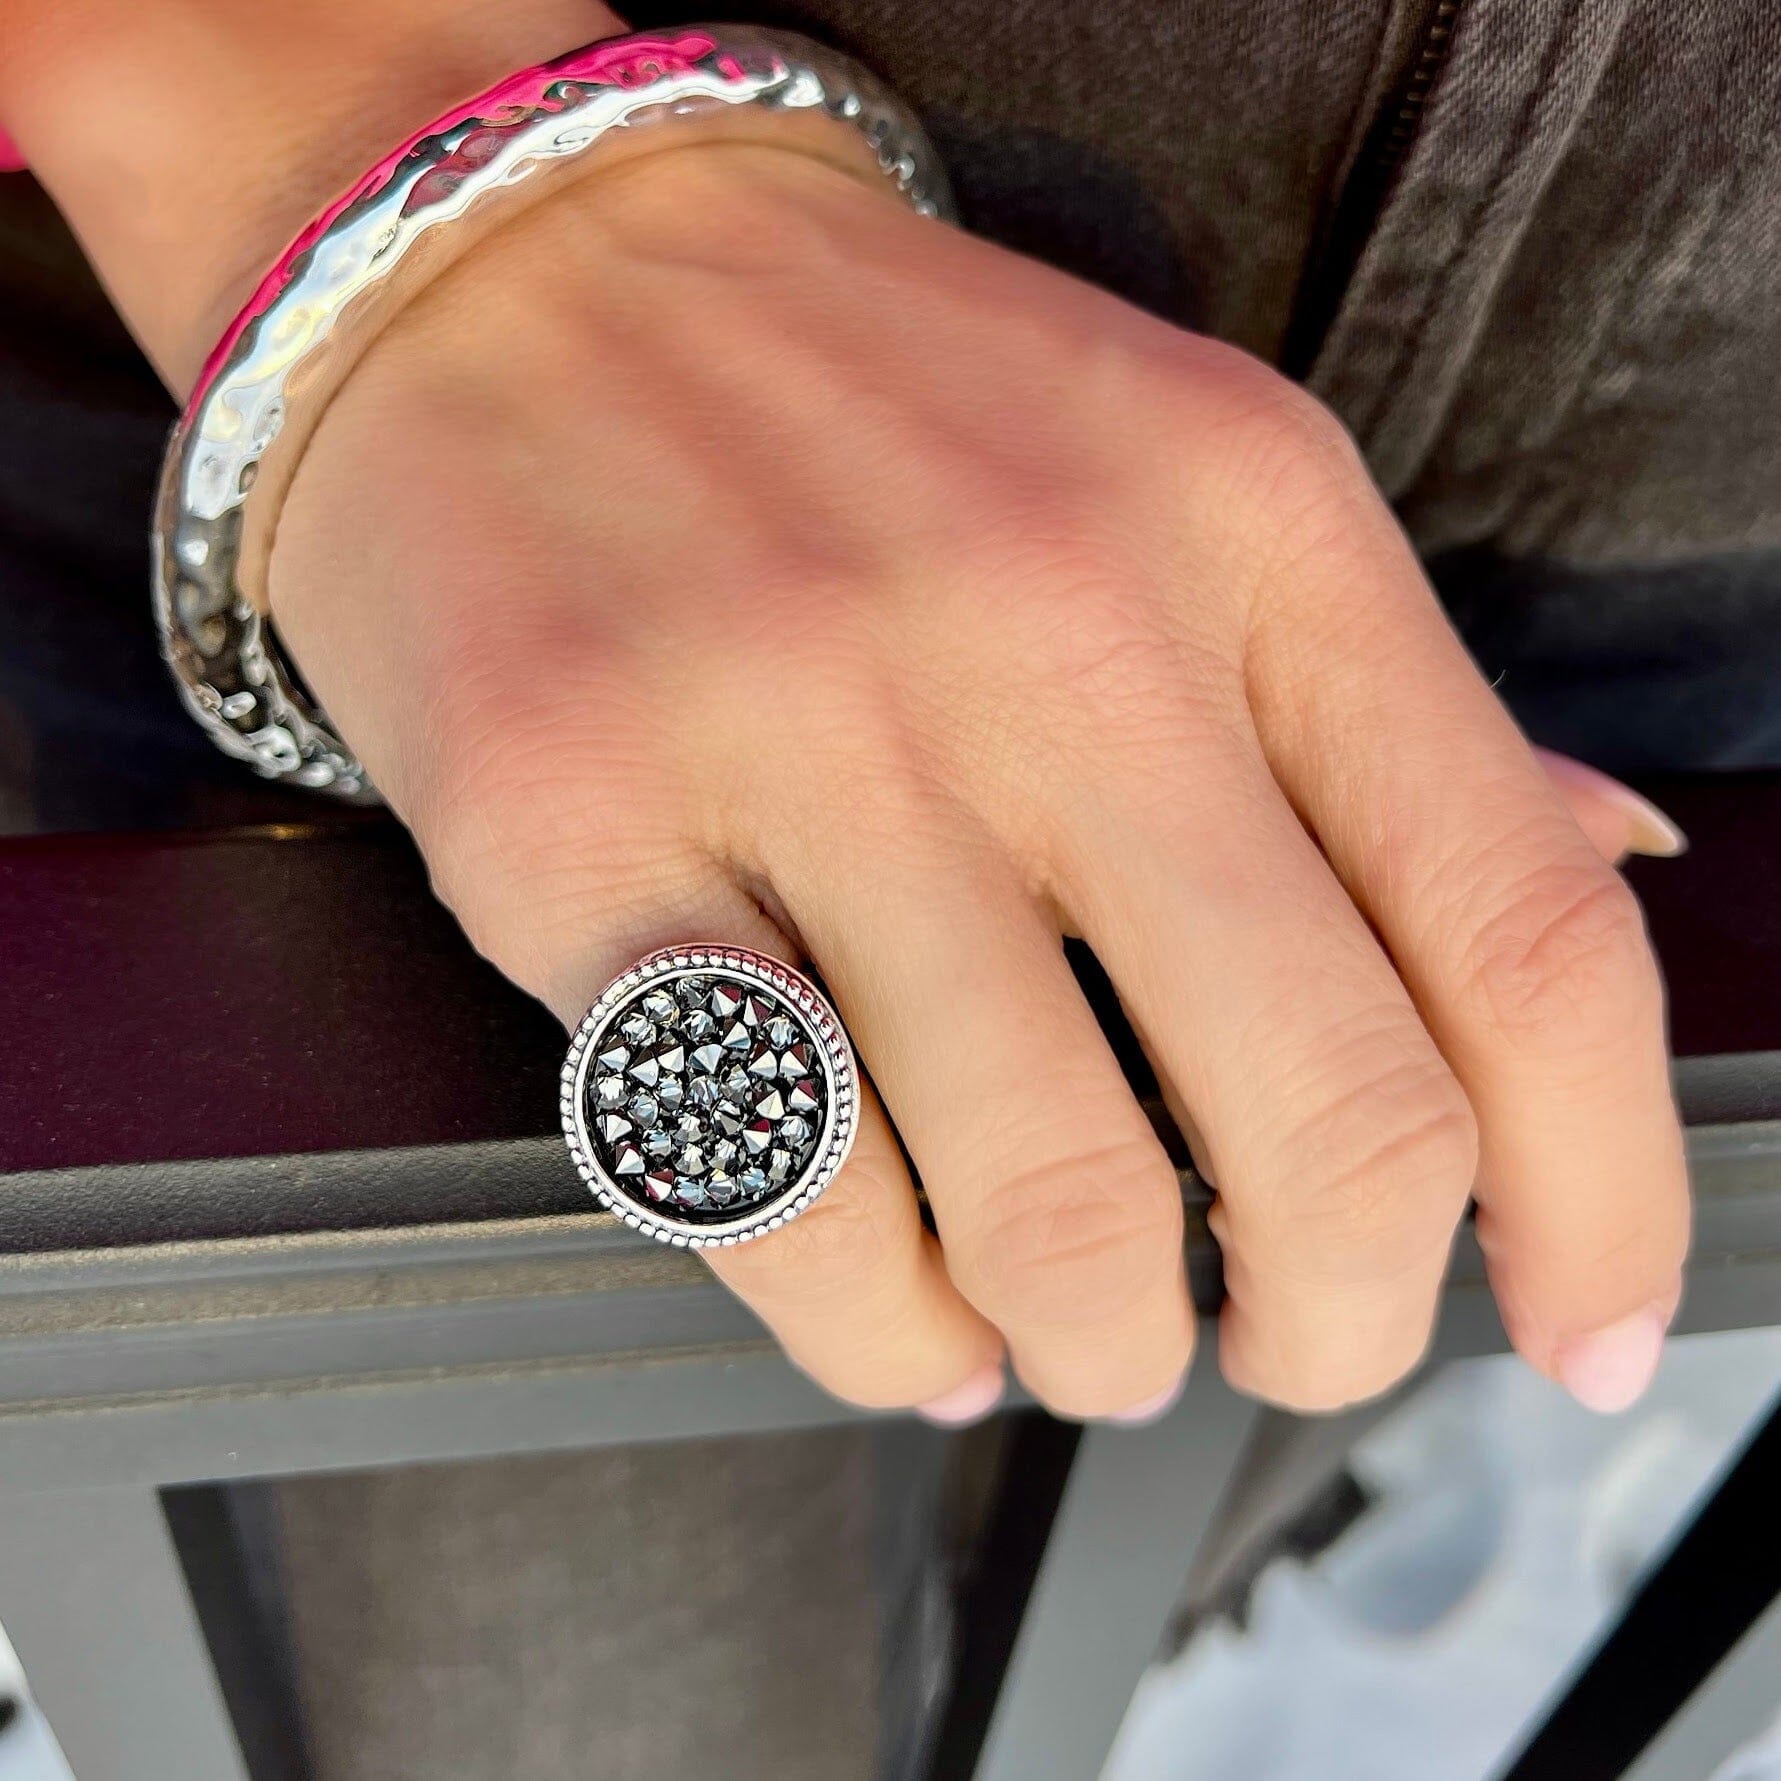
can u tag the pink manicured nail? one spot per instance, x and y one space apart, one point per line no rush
1609 1369
969 1402
1649 831
1152 1409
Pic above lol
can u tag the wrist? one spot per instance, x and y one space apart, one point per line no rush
664 241
222 129
386 245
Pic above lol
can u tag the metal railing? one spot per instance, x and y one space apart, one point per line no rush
280 1197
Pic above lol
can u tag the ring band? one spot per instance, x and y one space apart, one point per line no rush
710 1095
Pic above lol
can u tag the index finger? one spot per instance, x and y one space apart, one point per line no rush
1524 950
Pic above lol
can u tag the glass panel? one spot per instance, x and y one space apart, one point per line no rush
1497 1532
1758 1761
28 1748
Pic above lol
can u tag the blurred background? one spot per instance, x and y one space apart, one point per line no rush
1414 1621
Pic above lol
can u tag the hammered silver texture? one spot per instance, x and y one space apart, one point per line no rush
232 455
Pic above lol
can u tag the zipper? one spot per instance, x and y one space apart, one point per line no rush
1367 189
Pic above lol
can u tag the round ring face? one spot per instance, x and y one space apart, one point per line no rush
709 1095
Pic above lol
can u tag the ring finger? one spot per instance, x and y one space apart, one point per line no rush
855 1289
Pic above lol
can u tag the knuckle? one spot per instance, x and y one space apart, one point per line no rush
472 823
792 625
544 826
1565 957
1104 643
1301 430
1373 1182
840 1248
1068 1240
1091 678
1293 488
1321 1350
1292 452
493 745
841 725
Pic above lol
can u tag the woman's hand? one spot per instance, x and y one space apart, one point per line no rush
724 552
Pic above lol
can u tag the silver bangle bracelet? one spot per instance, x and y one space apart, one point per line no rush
232 455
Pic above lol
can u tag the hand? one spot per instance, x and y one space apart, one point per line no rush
723 552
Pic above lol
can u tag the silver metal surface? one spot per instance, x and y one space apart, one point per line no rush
765 1096
232 456
98 1608
251 1357
1138 1503
247 1356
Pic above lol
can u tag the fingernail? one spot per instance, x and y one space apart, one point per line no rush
1649 830
1609 1369
1152 1409
969 1402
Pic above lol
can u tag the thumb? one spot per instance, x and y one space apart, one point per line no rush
1614 816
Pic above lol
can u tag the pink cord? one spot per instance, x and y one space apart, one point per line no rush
629 62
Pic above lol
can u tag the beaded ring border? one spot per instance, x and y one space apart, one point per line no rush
231 456
832 1052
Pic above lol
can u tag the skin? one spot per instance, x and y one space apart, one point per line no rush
724 552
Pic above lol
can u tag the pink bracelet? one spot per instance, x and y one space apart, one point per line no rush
11 161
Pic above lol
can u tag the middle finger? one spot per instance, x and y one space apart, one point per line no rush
1342 1148
1058 1209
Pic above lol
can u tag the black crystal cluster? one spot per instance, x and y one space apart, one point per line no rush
706 1094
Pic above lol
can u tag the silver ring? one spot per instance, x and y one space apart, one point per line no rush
710 1094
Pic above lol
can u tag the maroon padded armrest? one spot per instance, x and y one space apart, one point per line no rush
279 993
